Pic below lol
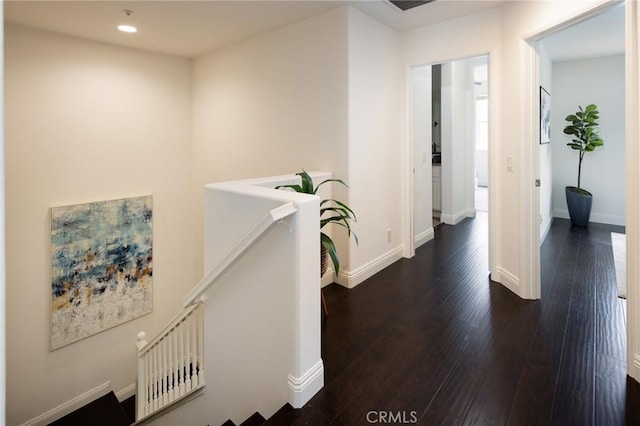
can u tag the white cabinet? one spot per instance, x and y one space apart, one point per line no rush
435 182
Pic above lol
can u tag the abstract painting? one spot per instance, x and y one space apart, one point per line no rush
101 266
545 116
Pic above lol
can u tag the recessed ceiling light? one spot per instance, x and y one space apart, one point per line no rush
127 28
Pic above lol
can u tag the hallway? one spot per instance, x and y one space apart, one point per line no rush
433 339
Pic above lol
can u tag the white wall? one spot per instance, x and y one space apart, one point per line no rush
85 122
457 141
374 145
545 156
599 81
481 159
3 386
273 104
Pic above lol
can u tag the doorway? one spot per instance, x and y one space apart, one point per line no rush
449 134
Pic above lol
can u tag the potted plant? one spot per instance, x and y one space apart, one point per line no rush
331 211
586 138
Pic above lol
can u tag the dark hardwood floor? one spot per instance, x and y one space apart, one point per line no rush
433 341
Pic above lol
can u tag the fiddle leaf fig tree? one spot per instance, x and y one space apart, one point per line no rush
331 211
583 128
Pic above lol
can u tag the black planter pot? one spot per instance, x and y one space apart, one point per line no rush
579 205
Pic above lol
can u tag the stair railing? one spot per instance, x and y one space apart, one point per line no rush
171 365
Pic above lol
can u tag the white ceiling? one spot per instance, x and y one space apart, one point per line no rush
192 28
602 35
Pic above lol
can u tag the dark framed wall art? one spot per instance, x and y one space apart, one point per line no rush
545 116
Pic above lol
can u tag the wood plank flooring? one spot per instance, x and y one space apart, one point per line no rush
433 341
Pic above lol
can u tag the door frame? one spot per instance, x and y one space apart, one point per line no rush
408 157
530 250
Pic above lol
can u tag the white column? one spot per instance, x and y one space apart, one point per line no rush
306 375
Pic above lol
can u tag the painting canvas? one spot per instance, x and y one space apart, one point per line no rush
545 116
101 266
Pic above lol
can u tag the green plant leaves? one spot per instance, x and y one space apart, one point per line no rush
584 127
331 211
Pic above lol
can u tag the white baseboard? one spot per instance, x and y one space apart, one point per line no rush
595 217
302 389
329 277
350 279
547 228
127 392
471 212
508 280
636 361
454 219
70 406
423 237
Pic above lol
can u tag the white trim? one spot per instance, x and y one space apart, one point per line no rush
127 392
609 219
407 167
471 212
588 12
636 361
530 160
329 277
454 219
507 279
547 228
632 157
423 238
302 389
70 406
350 279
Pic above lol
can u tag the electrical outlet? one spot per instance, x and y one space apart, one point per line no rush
388 235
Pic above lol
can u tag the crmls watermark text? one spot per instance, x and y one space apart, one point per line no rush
392 417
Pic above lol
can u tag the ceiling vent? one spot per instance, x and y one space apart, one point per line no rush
408 4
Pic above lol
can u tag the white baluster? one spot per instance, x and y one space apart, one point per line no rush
181 364
194 349
140 343
156 376
147 383
163 377
187 346
200 323
171 364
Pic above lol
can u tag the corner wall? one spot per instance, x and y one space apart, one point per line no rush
374 145
86 121
271 105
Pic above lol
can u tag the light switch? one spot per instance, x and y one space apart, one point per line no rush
510 163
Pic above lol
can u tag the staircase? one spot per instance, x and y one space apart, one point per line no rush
104 411
248 337
285 416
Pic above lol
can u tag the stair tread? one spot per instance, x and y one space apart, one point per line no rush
255 420
104 411
284 416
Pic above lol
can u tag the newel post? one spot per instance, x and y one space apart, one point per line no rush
141 391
